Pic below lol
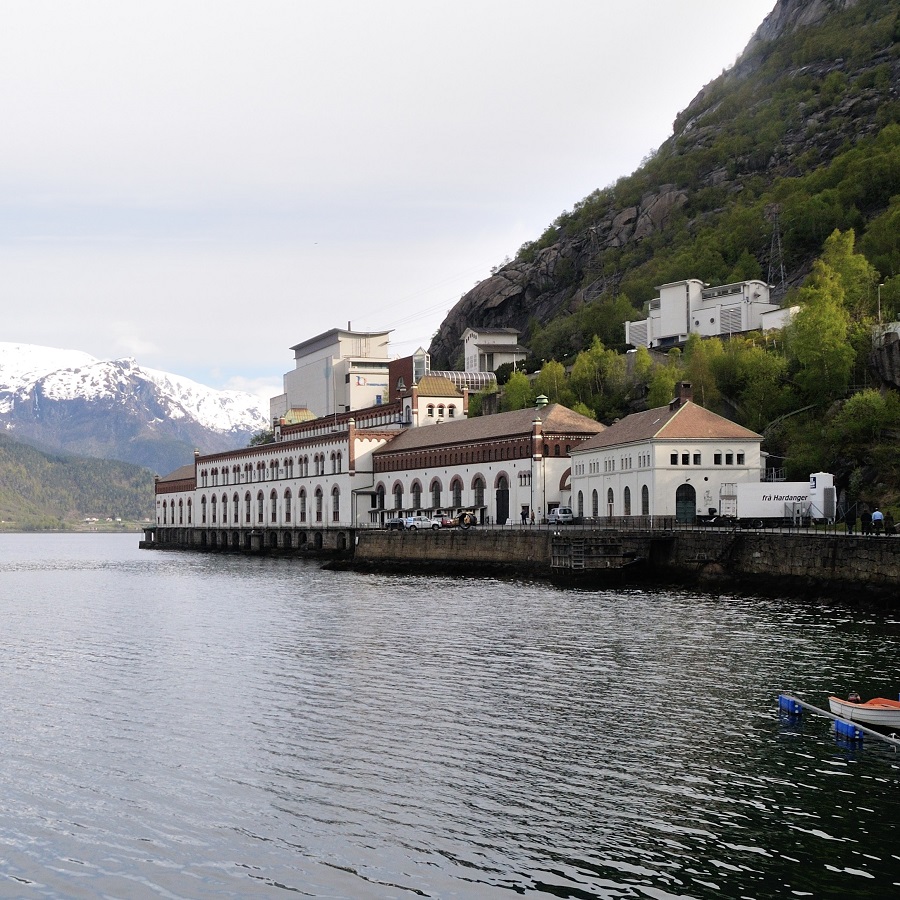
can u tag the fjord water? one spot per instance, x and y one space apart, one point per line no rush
178 725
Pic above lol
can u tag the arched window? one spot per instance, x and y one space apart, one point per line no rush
273 504
335 504
456 488
398 496
430 410
379 496
645 501
181 512
580 504
260 501
203 510
595 504
440 410
416 491
333 463
339 459
626 502
610 502
236 509
478 490
247 507
435 493
318 504
165 512
190 511
301 503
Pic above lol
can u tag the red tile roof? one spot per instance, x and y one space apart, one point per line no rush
688 422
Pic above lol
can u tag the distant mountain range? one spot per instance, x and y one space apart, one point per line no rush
68 401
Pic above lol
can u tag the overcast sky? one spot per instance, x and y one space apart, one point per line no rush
201 185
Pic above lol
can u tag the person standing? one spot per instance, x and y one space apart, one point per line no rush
850 518
865 522
877 521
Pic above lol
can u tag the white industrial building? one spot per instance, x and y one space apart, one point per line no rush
669 461
692 307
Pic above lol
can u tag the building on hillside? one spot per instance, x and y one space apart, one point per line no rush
486 349
504 467
336 371
668 461
691 307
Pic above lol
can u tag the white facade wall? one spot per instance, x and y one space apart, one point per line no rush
535 484
309 485
704 465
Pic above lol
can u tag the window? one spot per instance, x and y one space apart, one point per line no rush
287 505
430 410
595 504
478 488
301 503
180 512
318 504
203 510
696 459
685 459
259 508
645 501
379 497
398 496
457 492
610 502
451 412
740 459
273 503
435 493
416 492
673 459
717 459
236 504
729 459
190 511
247 505
335 504
626 501
580 504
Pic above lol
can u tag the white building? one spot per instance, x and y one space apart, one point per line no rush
486 349
669 461
336 371
505 467
692 307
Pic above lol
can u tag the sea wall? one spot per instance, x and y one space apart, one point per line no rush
778 563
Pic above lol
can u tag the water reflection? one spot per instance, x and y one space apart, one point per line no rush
196 726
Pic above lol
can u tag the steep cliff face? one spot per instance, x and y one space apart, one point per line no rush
586 255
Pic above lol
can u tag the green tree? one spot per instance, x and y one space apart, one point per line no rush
856 274
552 382
263 436
517 392
700 356
817 337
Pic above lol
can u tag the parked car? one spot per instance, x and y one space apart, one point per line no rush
412 523
395 524
562 515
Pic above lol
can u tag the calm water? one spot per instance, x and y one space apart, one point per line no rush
201 726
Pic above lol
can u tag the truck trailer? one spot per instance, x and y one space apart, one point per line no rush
761 503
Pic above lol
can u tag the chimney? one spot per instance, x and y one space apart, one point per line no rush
683 393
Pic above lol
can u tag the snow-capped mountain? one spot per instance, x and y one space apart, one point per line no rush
115 409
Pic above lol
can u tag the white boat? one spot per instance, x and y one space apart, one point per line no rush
879 711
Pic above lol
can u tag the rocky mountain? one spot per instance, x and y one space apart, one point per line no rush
762 165
68 401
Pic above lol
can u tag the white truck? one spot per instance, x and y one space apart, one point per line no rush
761 503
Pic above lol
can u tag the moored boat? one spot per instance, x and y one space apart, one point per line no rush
878 711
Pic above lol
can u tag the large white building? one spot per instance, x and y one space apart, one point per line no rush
692 307
336 371
668 461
